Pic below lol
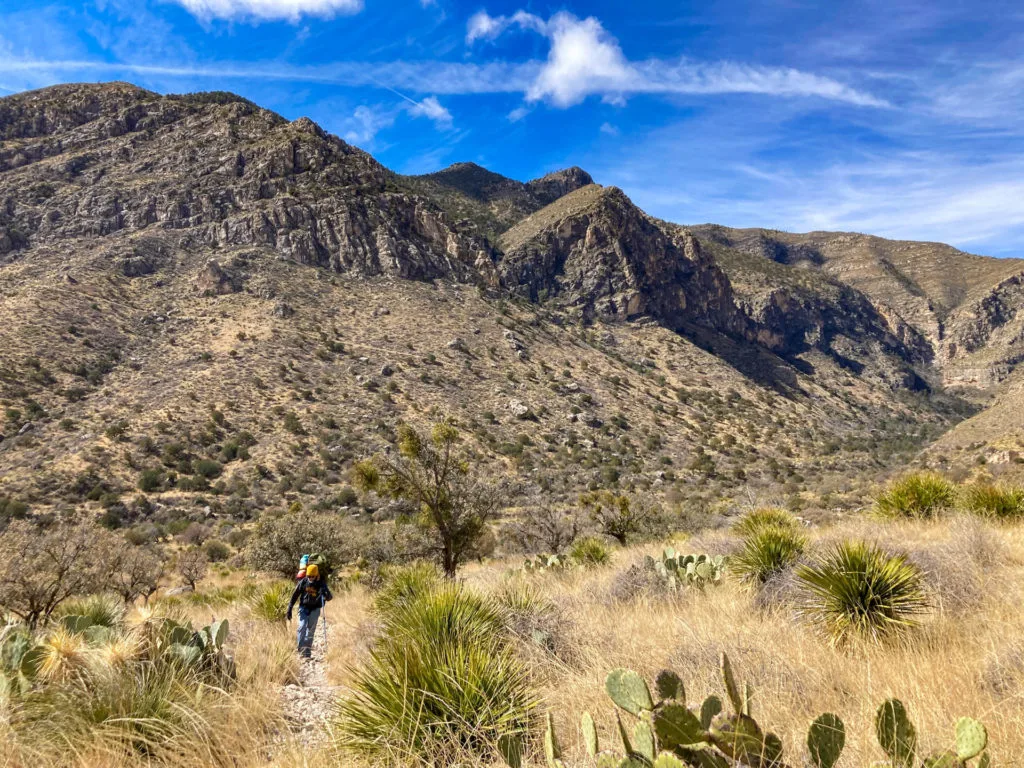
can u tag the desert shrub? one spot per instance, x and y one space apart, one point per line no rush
192 564
216 551
765 517
271 602
543 527
995 501
73 557
207 468
12 509
623 517
276 544
538 623
921 495
856 588
150 480
441 686
766 553
589 552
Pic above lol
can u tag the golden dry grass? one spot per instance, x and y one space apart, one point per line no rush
967 658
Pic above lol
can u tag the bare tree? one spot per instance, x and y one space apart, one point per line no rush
433 474
135 571
192 566
278 543
41 568
621 516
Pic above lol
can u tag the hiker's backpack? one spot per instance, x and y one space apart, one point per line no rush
317 559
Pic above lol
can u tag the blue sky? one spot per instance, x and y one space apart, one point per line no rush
902 118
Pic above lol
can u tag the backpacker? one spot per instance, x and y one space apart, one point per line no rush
317 559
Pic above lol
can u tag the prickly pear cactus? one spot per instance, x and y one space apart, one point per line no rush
668 734
629 691
896 733
825 740
971 738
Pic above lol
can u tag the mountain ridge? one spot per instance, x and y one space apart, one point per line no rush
183 274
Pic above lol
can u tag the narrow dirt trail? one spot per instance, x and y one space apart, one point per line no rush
310 703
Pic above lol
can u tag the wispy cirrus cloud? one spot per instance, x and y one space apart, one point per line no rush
269 10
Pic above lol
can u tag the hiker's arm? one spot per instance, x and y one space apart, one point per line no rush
327 592
295 596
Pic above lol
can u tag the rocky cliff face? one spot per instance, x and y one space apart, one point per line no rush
213 173
952 310
595 252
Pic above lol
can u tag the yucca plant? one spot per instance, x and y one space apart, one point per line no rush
589 552
765 517
271 603
766 553
919 495
405 584
996 501
442 684
858 589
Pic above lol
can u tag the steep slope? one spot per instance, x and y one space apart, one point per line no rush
206 309
488 202
965 307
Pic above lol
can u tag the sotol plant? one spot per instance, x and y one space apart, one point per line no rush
856 588
669 734
921 495
767 552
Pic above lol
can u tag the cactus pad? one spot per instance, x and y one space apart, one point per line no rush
731 690
669 685
825 740
709 710
629 691
676 726
643 738
896 734
589 734
971 738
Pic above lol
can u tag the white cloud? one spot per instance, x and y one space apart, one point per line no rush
609 129
269 10
585 60
483 26
432 109
365 123
518 114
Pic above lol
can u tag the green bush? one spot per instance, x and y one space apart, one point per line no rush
589 552
767 553
12 509
207 468
150 480
920 495
859 589
442 685
1000 502
765 517
216 551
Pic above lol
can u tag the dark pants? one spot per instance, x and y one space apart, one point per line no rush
308 618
